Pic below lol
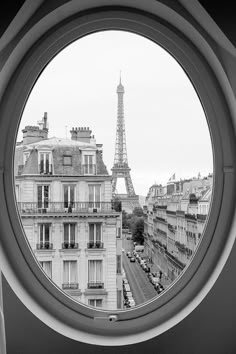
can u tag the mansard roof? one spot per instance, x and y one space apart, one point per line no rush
56 142
206 197
59 148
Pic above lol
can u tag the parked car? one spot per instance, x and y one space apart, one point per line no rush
155 280
127 288
125 281
151 274
142 261
146 268
131 303
159 287
139 248
130 255
132 259
139 258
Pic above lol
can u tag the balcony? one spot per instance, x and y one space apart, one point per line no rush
61 207
95 285
175 261
89 169
94 244
72 286
70 245
44 246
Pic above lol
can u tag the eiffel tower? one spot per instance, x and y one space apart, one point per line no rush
121 168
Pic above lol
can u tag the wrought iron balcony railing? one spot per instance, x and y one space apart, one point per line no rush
44 245
95 244
70 245
95 285
61 207
70 286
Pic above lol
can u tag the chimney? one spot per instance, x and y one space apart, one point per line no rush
82 134
32 134
45 121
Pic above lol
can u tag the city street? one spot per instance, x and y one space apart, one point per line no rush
141 288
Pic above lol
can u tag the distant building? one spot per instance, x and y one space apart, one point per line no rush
174 221
64 196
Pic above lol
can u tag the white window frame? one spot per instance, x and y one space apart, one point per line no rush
96 276
207 73
95 302
44 153
69 262
93 203
43 196
94 238
92 154
69 185
41 237
70 225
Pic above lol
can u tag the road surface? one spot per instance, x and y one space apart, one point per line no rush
140 286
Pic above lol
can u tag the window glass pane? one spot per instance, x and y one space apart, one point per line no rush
97 193
41 163
66 232
66 266
72 193
91 271
99 271
73 265
40 197
46 196
47 267
91 232
46 228
91 195
65 196
72 232
98 232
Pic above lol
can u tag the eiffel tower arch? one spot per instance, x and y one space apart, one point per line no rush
121 169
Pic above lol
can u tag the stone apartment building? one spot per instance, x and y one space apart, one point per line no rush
175 216
64 197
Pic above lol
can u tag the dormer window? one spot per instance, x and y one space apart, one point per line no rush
25 157
45 163
89 166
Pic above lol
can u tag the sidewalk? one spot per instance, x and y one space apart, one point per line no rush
165 281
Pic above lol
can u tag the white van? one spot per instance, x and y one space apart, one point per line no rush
139 248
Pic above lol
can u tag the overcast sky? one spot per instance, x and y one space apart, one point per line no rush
166 129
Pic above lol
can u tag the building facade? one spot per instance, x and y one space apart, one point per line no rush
64 196
174 221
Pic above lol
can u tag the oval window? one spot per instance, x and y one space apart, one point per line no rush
113 170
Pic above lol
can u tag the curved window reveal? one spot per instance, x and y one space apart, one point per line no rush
113 170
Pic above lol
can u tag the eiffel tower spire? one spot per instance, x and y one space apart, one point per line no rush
120 148
121 168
